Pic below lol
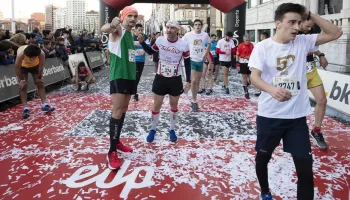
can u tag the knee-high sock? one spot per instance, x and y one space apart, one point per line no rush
245 88
261 162
173 119
114 133
155 120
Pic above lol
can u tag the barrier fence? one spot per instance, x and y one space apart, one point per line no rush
54 71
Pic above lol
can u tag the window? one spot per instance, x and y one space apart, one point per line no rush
202 13
196 13
251 34
189 13
252 3
263 1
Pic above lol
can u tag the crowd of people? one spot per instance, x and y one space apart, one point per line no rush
279 66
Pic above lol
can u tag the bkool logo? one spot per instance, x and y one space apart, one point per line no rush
340 93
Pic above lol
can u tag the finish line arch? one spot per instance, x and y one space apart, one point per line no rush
234 21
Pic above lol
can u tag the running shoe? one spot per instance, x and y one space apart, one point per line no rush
194 107
172 135
266 196
113 161
257 94
209 92
201 91
227 91
79 86
150 136
47 108
25 113
320 141
246 95
120 146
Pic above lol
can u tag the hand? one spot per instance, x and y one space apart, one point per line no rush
11 52
323 62
115 22
306 14
280 94
22 83
187 87
140 38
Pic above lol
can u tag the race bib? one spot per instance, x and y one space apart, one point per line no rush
197 51
140 52
310 66
213 53
168 70
132 54
291 84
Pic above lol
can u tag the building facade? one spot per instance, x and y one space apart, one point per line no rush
91 23
49 17
76 14
260 17
60 18
38 16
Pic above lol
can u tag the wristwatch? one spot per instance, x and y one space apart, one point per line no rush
321 54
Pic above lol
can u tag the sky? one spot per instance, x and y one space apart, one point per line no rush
24 8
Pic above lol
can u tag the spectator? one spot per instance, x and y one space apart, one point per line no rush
81 43
2 34
7 55
65 36
31 37
19 39
20 31
61 50
83 73
48 50
7 35
38 38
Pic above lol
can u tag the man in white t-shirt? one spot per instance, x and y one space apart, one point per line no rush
168 77
225 49
278 70
197 41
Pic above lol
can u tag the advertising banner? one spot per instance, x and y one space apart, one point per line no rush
337 88
74 60
54 72
95 59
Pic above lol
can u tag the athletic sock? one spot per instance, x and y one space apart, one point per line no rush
114 133
317 129
245 88
43 104
173 119
155 120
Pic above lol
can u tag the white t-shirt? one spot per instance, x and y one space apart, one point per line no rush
197 43
225 46
170 56
283 65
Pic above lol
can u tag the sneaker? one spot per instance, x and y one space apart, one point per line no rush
173 137
25 113
227 91
247 96
113 161
209 92
87 87
194 107
120 146
136 97
79 86
257 94
47 108
266 196
320 141
150 136
201 91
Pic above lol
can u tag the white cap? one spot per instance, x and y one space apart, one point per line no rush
173 23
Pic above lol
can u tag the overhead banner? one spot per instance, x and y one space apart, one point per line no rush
54 72
337 88
235 22
74 60
94 59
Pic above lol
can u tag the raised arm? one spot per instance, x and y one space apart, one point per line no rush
113 27
146 47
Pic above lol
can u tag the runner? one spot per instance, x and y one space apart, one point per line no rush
168 78
122 77
197 41
140 57
315 85
214 43
225 49
83 74
209 67
31 59
243 54
278 70
263 36
155 56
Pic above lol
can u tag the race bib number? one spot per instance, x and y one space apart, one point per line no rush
310 66
197 51
132 54
168 70
291 84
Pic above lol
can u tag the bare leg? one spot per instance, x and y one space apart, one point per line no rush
203 76
321 103
41 88
23 91
226 71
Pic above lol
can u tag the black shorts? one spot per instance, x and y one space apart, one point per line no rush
294 132
156 57
226 64
123 86
216 61
32 70
167 85
244 69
